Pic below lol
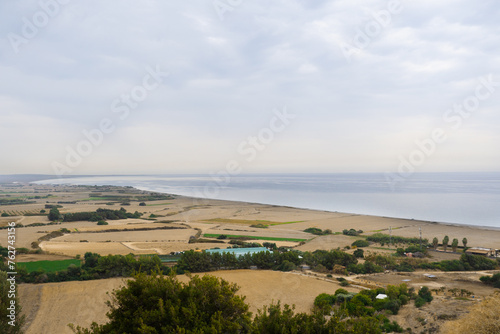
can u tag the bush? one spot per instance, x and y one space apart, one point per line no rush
492 280
142 204
102 222
54 214
352 232
317 231
5 214
419 302
323 300
358 253
360 243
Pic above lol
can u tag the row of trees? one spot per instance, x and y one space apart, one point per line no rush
95 266
285 261
99 214
446 241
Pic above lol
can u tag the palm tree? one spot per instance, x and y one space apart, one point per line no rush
435 243
446 239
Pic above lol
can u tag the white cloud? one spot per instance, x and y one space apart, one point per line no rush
227 76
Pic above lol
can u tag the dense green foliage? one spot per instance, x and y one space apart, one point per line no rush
352 232
492 280
358 253
54 214
386 238
467 262
48 266
94 267
100 214
317 231
424 296
203 262
360 243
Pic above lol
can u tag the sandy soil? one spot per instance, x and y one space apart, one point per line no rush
80 303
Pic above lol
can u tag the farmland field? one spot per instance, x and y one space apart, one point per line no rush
254 237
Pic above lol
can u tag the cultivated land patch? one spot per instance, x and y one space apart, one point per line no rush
253 237
248 222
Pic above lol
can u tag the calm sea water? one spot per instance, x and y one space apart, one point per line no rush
460 198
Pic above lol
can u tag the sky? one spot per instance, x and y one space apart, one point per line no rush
239 86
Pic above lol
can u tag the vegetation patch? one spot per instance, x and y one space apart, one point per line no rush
48 266
317 231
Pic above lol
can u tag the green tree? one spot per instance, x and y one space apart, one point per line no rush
358 253
446 239
10 321
464 242
435 243
454 245
54 214
159 304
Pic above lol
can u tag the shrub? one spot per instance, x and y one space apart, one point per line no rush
492 280
419 302
358 253
142 204
102 222
352 232
54 214
324 300
5 214
360 243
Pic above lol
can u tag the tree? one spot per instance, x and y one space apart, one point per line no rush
159 304
446 239
454 245
358 253
435 243
464 241
11 320
54 214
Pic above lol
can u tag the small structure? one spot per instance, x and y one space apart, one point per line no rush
480 251
381 296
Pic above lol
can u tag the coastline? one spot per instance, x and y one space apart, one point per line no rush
400 226
430 197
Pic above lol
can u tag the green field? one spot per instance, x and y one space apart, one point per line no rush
48 266
254 237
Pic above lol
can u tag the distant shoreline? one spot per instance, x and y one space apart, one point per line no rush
455 225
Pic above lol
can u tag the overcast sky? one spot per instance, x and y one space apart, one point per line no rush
357 84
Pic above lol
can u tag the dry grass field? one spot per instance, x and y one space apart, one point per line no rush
83 302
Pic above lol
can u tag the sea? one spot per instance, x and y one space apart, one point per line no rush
455 198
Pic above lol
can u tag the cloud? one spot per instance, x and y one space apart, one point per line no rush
227 76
